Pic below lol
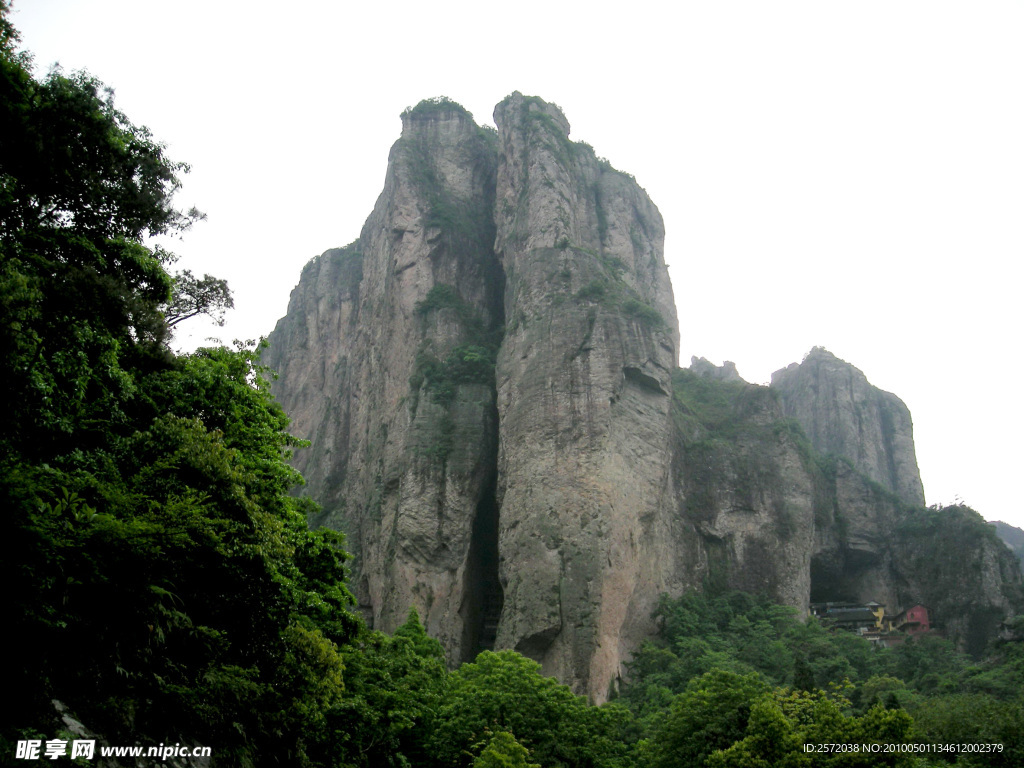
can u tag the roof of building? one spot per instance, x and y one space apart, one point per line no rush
851 614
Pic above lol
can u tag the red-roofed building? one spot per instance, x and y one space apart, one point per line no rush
913 621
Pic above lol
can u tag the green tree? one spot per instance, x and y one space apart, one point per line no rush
770 741
173 561
80 186
503 751
929 663
803 676
971 718
782 722
192 297
79 297
422 644
394 689
163 582
744 634
505 691
711 714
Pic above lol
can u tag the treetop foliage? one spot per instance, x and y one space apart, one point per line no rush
192 296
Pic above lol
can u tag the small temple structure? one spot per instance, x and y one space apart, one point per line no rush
870 621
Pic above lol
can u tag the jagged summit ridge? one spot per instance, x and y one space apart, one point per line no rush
488 377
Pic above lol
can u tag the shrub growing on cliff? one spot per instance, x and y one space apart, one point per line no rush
645 313
444 296
437 105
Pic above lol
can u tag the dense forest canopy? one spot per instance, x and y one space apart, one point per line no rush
165 587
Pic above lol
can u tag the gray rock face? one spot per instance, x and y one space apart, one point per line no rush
746 501
404 449
584 385
393 362
488 379
844 415
763 511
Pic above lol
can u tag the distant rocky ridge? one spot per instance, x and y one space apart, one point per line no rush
488 378
844 415
1011 536
724 372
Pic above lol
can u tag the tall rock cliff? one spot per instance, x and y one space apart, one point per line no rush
584 384
386 361
488 380
393 361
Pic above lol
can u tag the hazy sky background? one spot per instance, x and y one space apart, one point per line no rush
843 174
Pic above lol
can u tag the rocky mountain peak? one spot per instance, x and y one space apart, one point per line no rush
516 106
844 415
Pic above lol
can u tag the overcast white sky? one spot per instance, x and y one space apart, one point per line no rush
844 174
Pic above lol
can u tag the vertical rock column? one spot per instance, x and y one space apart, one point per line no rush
584 389
386 362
